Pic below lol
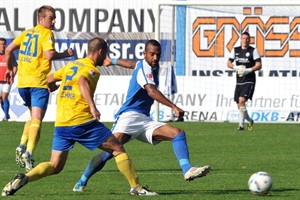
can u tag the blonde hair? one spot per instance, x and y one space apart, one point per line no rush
42 11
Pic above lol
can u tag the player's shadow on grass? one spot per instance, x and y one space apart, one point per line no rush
146 170
279 191
275 192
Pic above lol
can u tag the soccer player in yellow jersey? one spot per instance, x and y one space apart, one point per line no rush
77 120
36 51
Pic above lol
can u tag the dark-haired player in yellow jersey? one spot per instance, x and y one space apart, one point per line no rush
77 120
36 51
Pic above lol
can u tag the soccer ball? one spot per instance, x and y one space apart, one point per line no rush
260 183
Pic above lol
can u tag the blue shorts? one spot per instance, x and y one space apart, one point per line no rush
35 97
91 135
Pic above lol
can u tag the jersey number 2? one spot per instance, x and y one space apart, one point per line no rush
69 78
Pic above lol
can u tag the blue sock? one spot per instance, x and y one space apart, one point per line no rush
95 165
181 151
5 107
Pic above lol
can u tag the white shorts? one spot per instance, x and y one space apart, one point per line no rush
4 87
137 125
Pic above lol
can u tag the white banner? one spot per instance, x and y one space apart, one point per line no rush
77 16
203 105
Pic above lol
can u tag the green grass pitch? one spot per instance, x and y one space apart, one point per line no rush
233 157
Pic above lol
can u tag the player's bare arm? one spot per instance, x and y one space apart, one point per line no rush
54 55
9 62
155 94
257 66
86 92
123 63
230 64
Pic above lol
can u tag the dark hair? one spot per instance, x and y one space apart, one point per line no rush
246 33
3 39
96 44
153 43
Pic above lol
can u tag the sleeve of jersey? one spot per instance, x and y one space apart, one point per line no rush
18 39
231 56
145 76
48 43
85 74
256 55
58 74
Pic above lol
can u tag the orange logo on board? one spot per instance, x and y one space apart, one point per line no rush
215 44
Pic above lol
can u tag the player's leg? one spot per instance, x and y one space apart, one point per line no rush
247 117
106 141
5 101
5 106
237 98
56 165
1 102
1 90
39 102
33 136
180 148
60 148
20 150
245 92
242 111
126 166
251 122
113 146
34 128
96 164
23 144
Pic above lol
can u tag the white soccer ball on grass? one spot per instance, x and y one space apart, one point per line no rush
260 183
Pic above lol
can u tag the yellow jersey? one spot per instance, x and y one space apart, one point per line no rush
72 108
33 67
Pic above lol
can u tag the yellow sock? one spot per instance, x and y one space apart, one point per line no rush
24 138
42 170
33 134
126 167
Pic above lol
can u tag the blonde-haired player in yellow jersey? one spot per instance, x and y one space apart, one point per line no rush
36 51
77 120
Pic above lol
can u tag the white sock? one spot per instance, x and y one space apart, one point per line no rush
242 111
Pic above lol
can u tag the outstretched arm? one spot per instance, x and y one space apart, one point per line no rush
123 63
54 55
